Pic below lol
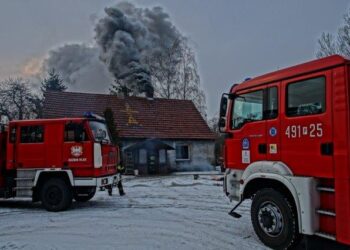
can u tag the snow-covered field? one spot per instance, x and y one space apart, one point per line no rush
172 212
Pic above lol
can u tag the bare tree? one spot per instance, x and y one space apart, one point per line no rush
329 44
213 124
174 73
189 85
326 45
163 65
16 100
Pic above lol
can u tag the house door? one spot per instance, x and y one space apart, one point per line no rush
129 162
153 162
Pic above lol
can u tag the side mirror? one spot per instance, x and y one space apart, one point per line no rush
223 112
223 105
222 122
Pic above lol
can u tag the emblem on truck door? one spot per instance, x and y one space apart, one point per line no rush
273 131
76 151
245 143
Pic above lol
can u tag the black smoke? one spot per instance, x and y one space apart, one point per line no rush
126 39
129 36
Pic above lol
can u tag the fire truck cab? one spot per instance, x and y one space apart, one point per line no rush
287 148
56 160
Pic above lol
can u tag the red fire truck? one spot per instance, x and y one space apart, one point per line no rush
287 148
56 160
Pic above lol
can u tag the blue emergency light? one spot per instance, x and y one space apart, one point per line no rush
92 115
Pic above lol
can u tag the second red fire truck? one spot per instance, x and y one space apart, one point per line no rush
56 160
287 148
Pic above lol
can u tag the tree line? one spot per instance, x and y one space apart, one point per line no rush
18 101
336 43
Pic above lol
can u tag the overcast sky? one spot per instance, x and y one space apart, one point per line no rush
233 39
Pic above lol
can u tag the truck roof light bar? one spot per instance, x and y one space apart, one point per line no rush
92 115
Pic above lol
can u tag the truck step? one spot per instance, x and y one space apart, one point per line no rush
326 189
26 173
23 188
326 212
326 235
24 179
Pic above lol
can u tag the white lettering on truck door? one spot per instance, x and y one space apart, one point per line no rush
313 130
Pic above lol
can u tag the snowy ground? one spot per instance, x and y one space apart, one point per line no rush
175 212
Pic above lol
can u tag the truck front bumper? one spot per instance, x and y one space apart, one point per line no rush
232 184
97 182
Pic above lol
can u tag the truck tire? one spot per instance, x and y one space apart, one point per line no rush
84 196
274 219
56 195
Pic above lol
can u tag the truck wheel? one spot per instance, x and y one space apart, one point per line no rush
56 195
274 219
84 196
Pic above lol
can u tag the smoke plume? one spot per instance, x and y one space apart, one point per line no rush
80 67
128 36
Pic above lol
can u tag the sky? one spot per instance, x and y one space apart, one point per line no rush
234 39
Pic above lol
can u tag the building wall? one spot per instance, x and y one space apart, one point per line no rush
201 154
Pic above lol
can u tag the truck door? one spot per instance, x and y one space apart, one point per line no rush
78 148
248 142
307 135
30 149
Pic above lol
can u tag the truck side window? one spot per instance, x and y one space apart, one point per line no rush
69 133
306 97
271 110
32 134
247 108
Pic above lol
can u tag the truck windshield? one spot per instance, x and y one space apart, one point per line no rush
247 108
100 131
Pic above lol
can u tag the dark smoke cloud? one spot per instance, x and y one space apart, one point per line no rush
79 65
127 36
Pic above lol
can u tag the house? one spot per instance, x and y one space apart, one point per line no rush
157 135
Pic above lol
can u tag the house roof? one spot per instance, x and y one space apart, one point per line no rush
135 117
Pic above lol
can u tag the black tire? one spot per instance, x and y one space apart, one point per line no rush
84 196
274 219
56 195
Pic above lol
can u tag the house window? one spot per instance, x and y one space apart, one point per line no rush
162 156
32 134
182 152
142 156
